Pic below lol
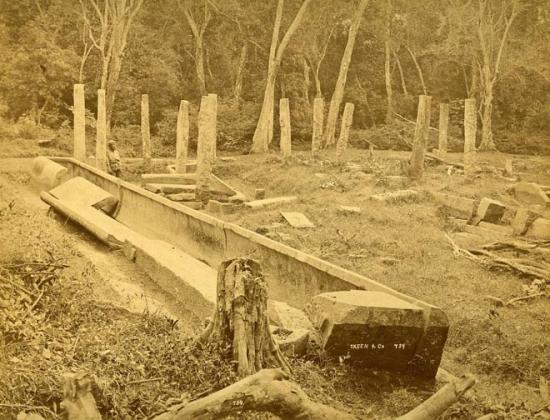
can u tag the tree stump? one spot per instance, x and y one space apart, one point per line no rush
240 319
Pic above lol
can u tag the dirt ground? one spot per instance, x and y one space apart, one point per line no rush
401 245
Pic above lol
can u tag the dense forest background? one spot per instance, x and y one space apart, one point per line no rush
497 51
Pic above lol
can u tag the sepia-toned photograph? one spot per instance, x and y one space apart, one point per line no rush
275 209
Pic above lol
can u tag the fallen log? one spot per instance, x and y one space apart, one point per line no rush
436 405
267 390
270 391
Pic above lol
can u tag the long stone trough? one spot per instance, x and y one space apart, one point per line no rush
293 276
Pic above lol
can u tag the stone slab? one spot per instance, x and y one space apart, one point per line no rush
297 220
268 202
531 193
188 280
169 178
259 194
81 192
490 210
540 229
489 234
170 188
458 206
181 197
219 207
394 196
375 328
283 315
47 174
522 220
502 229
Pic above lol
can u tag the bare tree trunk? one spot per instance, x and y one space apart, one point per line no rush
389 91
270 391
264 129
418 69
387 62
401 75
199 66
307 81
338 95
240 73
263 135
487 141
240 319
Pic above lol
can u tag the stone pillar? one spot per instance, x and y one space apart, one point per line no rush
347 120
420 136
470 127
284 119
206 136
101 132
182 137
145 131
212 127
79 114
443 128
318 121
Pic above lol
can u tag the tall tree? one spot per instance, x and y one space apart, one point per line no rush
495 20
108 31
198 17
264 128
338 95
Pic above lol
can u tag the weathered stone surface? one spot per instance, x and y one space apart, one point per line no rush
101 131
349 209
81 192
420 137
181 197
470 127
284 119
47 174
169 178
219 207
195 205
490 210
170 188
182 137
297 220
488 234
373 327
347 121
317 130
237 198
505 230
461 207
540 228
522 220
259 194
145 131
531 193
443 128
394 196
257 204
283 315
79 124
291 342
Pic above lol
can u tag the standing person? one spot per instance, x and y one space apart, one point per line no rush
113 159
